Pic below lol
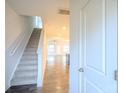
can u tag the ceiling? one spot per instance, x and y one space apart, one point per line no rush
55 24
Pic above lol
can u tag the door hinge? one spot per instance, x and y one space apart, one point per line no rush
116 75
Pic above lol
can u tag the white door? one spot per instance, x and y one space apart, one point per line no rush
93 54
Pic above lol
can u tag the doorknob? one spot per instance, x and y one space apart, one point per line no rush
81 70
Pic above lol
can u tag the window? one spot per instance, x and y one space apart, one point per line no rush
38 22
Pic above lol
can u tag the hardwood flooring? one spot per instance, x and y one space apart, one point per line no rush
56 78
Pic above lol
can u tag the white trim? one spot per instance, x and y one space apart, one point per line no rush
40 61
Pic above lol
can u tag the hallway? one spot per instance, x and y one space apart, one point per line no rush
57 75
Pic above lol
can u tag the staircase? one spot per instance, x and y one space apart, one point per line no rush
26 72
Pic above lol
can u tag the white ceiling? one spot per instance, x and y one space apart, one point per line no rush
55 24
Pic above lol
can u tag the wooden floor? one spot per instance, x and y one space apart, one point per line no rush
56 78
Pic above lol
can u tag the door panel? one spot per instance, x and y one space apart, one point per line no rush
95 21
95 35
92 88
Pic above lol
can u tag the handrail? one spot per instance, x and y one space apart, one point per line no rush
12 50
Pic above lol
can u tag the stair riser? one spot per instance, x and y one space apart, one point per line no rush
33 43
22 75
36 44
27 68
30 50
28 53
29 56
32 46
15 83
27 63
30 59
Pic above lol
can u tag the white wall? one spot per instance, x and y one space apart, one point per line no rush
42 58
45 45
17 33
